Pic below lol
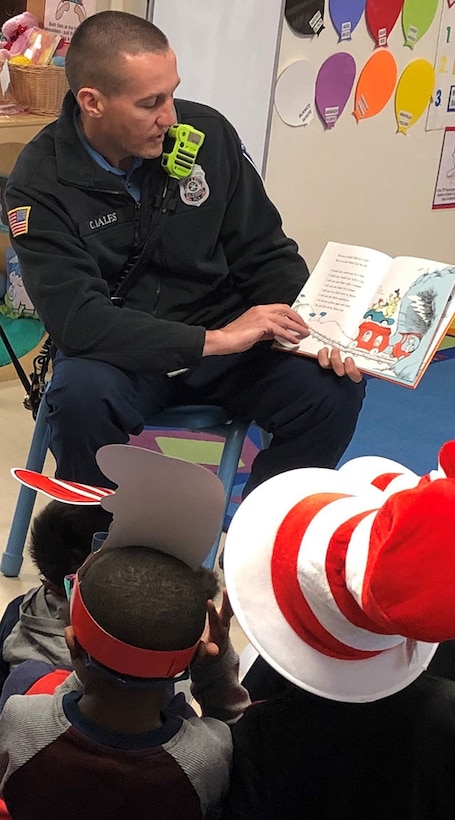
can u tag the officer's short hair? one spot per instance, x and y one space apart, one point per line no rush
94 57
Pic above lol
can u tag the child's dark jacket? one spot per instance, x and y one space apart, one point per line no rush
302 757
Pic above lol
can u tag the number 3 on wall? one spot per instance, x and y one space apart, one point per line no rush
437 97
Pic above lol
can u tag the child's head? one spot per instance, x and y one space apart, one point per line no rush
139 604
142 598
348 581
60 540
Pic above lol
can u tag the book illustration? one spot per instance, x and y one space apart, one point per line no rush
392 329
418 317
41 45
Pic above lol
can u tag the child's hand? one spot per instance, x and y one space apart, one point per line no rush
215 639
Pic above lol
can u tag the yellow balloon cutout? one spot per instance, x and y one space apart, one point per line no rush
413 94
375 85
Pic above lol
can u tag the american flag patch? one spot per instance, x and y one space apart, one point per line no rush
18 220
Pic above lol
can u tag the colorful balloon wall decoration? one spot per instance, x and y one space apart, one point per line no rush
417 18
333 86
294 93
413 94
375 85
345 15
305 16
381 16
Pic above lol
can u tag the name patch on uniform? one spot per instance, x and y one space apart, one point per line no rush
194 189
103 220
18 219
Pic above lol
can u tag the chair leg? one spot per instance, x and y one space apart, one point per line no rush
265 438
227 472
12 558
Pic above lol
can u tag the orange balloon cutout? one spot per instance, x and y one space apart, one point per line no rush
375 85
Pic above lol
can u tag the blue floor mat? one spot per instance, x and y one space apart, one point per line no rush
408 425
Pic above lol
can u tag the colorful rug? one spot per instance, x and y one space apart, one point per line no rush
201 448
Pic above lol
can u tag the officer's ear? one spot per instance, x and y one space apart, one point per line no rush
91 102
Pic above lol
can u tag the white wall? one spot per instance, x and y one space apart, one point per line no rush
361 182
138 7
227 55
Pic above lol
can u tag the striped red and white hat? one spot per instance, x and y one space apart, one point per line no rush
344 581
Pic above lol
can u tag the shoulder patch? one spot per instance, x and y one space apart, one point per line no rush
247 155
18 219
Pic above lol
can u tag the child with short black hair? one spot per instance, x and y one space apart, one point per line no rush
136 610
140 616
32 626
60 540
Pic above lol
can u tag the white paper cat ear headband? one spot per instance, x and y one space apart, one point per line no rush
164 502
344 580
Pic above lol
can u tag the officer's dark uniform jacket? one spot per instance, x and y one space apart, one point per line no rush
209 264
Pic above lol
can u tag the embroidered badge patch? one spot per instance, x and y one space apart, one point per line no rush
194 190
18 220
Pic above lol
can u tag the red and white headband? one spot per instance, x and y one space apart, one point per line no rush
119 656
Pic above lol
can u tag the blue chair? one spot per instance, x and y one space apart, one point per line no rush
207 418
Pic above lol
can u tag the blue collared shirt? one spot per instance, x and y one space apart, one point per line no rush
131 179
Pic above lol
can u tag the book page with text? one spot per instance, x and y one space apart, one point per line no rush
337 293
387 314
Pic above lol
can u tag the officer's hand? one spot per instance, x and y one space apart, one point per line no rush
332 360
258 324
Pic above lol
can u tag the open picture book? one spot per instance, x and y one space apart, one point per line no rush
389 315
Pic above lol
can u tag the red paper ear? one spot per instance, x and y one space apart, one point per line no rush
70 492
447 458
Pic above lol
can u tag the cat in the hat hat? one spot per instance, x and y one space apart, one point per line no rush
344 582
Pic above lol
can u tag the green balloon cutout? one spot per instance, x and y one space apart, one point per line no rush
417 18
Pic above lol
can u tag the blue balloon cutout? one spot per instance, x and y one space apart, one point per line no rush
345 15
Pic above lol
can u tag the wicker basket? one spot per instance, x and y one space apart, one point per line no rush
40 88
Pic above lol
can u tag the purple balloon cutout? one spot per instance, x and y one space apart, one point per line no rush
334 85
345 15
